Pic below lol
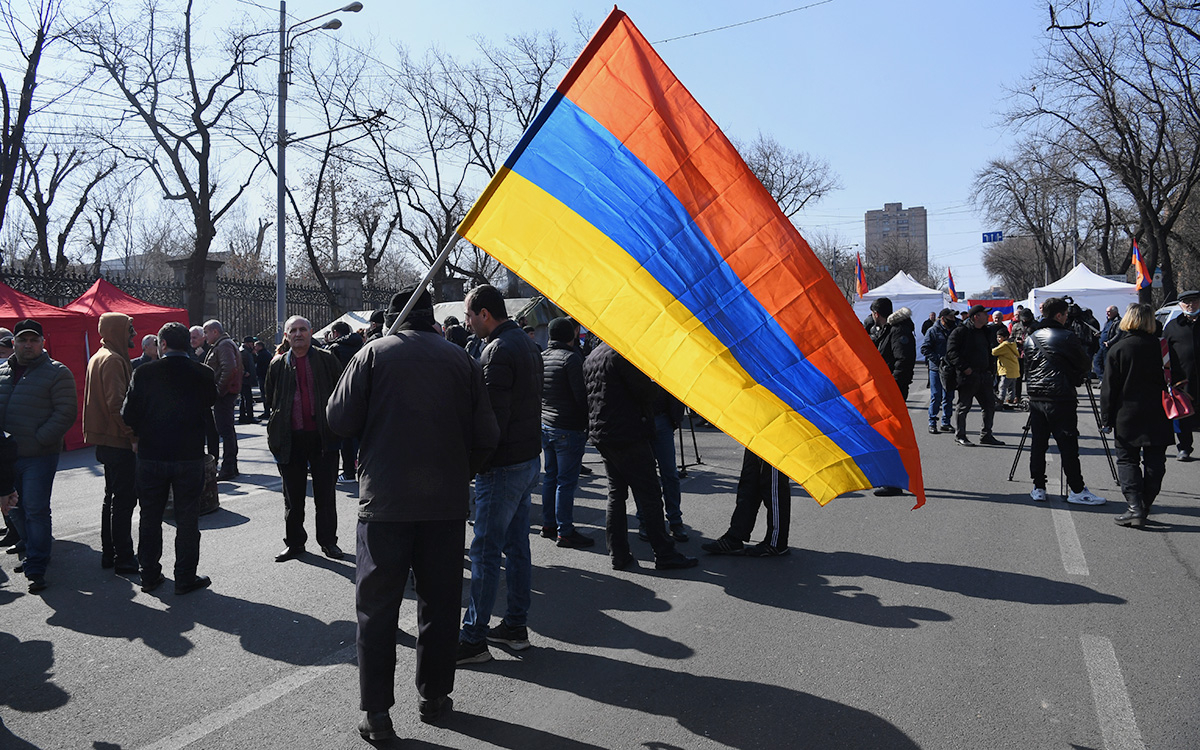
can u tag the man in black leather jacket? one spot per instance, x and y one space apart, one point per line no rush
1056 362
1182 334
968 352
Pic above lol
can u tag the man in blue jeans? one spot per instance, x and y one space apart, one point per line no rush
933 349
564 434
39 404
512 373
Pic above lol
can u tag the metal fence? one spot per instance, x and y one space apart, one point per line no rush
246 307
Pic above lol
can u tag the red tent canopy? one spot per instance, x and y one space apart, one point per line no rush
66 340
103 297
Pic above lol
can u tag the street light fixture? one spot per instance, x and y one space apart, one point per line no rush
285 48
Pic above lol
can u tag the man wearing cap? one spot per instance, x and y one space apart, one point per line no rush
249 380
419 406
968 354
1056 363
933 349
299 383
39 405
1182 334
512 372
105 385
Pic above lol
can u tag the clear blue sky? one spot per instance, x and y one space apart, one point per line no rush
901 98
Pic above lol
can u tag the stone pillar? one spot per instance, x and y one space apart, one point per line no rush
349 288
211 296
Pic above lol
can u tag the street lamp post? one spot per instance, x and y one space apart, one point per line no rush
281 149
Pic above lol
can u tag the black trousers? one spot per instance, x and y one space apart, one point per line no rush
120 498
761 484
306 458
977 388
386 551
1142 481
223 419
1059 419
246 401
1186 428
631 466
154 480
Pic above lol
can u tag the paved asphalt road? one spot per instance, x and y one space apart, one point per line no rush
983 620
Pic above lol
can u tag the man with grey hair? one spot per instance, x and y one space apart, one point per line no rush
223 358
149 351
297 389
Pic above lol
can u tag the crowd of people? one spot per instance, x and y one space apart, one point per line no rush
442 422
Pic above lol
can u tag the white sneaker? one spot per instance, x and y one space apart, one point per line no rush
1085 497
1039 494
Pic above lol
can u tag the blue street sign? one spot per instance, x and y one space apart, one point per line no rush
993 236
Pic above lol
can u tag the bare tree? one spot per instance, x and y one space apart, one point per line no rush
39 186
838 258
1017 262
186 99
793 178
1122 95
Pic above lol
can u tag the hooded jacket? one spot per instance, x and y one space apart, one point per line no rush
106 383
898 344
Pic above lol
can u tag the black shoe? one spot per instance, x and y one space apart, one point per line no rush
887 492
16 549
37 583
435 708
126 568
584 470
10 538
376 726
472 653
990 440
106 561
246 420
515 637
576 540
762 549
289 553
332 551
621 560
549 532
20 567
678 533
198 582
226 474
149 584
675 561
933 430
1129 518
946 428
643 534
964 442
725 545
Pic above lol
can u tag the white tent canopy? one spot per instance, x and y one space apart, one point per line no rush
1089 290
904 291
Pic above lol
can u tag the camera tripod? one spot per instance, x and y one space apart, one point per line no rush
1099 428
683 464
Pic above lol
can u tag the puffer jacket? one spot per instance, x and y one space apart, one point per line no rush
226 365
39 409
564 397
105 384
1055 363
1008 361
898 345
512 372
620 398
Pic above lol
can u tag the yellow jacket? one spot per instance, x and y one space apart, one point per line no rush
1008 363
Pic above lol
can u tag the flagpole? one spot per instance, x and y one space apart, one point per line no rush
443 256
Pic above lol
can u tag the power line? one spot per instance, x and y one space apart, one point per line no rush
744 23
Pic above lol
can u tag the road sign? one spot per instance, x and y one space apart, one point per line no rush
993 236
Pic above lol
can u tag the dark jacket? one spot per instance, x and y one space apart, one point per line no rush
39 409
1055 363
933 348
1109 335
564 397
222 357
166 407
512 371
898 345
420 409
8 459
1182 336
968 348
346 347
249 370
1131 392
279 395
620 398
137 362
262 360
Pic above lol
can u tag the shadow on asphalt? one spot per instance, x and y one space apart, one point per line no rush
28 685
10 741
731 713
99 604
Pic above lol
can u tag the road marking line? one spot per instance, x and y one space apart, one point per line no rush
1118 726
1068 543
218 720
